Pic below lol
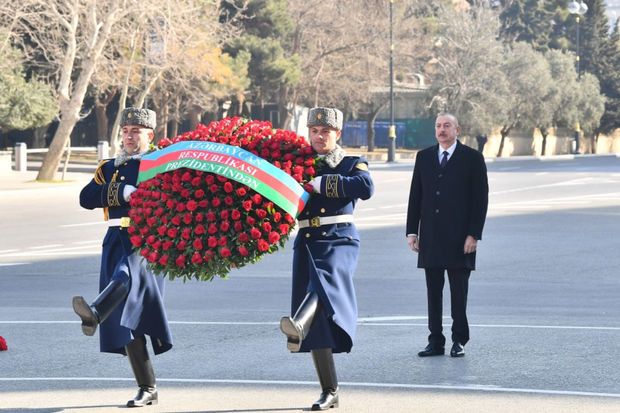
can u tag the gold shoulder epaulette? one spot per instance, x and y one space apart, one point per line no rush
99 177
362 166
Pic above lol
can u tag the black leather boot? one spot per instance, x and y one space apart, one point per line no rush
326 370
94 314
143 371
296 328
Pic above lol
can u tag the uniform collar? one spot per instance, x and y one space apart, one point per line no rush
333 157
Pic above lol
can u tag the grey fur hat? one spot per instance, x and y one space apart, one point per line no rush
330 117
138 116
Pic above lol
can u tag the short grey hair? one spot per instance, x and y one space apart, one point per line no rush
450 115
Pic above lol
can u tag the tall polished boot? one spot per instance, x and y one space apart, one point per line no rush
296 328
326 370
143 372
94 314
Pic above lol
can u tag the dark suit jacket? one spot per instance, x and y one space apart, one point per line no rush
446 205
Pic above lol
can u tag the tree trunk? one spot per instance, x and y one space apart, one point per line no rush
194 117
370 131
594 141
544 133
504 132
68 119
71 103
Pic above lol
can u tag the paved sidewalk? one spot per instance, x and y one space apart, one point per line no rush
228 398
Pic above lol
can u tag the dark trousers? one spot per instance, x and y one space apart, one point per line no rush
459 283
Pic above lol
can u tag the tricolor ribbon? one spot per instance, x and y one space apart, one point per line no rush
231 162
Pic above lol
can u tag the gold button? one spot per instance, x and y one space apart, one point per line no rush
322 210
122 178
307 235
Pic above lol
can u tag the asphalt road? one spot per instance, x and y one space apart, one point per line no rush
543 309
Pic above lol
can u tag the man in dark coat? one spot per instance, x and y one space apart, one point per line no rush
446 213
323 302
130 304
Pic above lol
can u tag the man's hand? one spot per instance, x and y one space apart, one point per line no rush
127 191
316 184
413 242
470 245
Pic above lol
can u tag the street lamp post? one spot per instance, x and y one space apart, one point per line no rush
392 130
578 9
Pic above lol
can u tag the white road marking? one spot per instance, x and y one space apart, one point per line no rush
83 224
475 388
360 322
45 246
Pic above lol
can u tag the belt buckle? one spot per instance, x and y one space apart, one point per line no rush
315 222
125 221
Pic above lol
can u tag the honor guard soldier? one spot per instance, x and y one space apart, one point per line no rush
323 305
130 303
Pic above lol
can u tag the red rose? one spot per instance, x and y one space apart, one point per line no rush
247 205
153 257
181 245
163 260
187 218
176 220
284 228
199 217
238 226
250 221
274 237
214 188
145 252
211 216
186 233
223 241
263 246
243 237
180 207
167 245
261 213
228 187
266 226
180 261
243 251
257 198
172 232
212 229
225 252
192 205
196 258
216 202
203 203
200 229
212 242
255 233
209 179
224 226
224 214
241 191
197 244
235 214
229 200
196 181
136 241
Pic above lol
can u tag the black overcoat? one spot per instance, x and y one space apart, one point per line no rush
446 205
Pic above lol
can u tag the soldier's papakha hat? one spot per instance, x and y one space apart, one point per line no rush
330 117
138 116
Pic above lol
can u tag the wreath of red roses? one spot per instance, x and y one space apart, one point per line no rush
3 345
194 224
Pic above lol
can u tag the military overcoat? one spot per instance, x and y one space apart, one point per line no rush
142 312
325 256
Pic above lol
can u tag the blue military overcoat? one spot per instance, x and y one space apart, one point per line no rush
142 312
325 257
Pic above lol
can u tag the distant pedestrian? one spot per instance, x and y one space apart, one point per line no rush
446 213
130 303
323 305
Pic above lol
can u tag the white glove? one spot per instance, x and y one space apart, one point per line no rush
316 184
127 191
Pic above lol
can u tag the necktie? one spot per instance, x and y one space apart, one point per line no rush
444 160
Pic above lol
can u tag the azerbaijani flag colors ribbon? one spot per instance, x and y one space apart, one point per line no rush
231 162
